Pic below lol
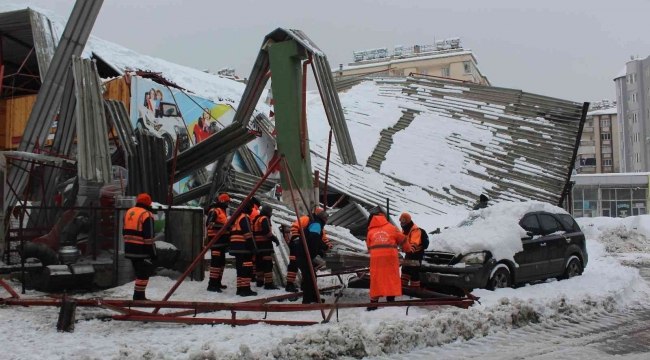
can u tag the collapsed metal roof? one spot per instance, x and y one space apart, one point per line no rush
28 43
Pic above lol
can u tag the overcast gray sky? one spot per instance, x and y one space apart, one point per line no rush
570 49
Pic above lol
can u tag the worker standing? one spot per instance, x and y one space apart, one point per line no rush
294 240
254 214
315 244
242 247
217 219
411 273
264 240
138 233
383 240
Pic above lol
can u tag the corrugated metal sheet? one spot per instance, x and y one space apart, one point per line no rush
148 169
386 140
119 119
47 104
249 160
93 154
544 131
45 40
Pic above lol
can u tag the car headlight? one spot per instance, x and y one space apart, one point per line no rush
474 258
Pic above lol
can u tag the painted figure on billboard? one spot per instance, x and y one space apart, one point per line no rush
175 115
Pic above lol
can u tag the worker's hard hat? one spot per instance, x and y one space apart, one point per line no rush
405 217
223 198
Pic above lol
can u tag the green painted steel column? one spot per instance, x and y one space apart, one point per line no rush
286 82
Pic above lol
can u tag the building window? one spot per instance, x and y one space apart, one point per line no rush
423 71
607 162
467 67
633 97
604 123
635 118
590 123
605 136
446 72
637 158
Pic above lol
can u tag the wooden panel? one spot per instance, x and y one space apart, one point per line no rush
117 89
12 124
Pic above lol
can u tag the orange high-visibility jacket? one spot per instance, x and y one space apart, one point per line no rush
383 241
414 239
304 222
138 233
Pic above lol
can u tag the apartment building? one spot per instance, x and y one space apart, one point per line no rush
599 151
633 97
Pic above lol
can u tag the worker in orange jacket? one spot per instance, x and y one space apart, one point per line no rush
242 247
264 239
138 234
383 241
254 214
414 239
217 218
294 244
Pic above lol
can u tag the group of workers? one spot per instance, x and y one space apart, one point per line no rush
250 240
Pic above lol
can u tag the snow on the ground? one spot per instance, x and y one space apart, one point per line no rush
495 229
605 285
627 238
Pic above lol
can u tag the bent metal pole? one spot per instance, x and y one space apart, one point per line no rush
230 221
302 233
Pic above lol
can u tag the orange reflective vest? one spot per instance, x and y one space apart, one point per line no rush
241 237
263 234
414 237
383 240
217 218
304 222
138 233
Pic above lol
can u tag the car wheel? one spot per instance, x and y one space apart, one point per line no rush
169 146
573 269
500 279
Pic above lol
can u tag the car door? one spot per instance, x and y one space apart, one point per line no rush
533 259
555 242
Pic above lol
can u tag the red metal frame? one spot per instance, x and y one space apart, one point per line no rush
289 176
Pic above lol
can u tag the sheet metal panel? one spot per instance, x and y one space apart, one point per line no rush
72 42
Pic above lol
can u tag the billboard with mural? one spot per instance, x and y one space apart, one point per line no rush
186 119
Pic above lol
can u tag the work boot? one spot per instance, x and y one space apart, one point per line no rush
139 295
259 283
372 308
390 299
291 287
271 287
214 288
246 291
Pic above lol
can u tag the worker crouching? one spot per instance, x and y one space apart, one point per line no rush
138 233
383 240
217 219
264 240
242 247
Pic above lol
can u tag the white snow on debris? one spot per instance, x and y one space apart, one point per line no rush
495 229
367 113
425 158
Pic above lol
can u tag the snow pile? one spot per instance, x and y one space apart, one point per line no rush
620 239
495 229
627 238
440 326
